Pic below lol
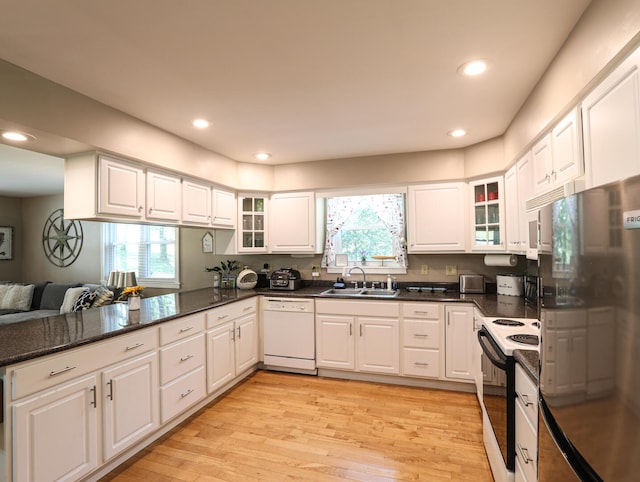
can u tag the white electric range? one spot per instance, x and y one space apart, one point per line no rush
506 333
498 338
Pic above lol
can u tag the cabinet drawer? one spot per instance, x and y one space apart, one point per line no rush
358 308
181 357
421 334
53 370
231 311
182 328
420 362
526 444
430 311
527 393
180 394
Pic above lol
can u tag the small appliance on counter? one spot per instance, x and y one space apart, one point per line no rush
509 285
247 279
285 279
472 283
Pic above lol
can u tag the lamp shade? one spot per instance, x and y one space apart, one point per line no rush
130 279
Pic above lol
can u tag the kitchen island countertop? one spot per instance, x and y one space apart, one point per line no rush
35 338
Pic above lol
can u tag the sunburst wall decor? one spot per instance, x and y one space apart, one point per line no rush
61 239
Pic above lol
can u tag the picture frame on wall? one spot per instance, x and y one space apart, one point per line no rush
6 242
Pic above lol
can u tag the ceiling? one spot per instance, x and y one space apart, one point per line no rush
303 80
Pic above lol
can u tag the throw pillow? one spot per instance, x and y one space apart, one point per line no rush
16 297
70 297
85 300
104 297
53 295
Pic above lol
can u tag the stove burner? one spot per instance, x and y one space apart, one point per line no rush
525 339
506 322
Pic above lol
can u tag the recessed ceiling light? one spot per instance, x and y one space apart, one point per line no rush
262 156
201 123
17 136
457 133
475 67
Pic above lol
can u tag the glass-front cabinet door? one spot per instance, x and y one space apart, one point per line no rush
488 230
252 227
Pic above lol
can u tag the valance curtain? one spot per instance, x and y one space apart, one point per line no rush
388 207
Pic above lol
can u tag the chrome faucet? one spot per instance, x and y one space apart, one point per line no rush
364 276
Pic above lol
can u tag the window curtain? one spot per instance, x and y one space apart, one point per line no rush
338 211
388 207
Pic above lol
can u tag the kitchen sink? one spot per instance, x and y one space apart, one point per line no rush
360 292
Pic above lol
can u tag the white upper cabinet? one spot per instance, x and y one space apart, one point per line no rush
252 216
512 209
164 196
293 227
436 218
121 188
487 214
224 209
557 157
196 203
566 148
518 188
611 125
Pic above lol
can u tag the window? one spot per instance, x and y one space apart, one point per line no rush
369 230
150 251
565 237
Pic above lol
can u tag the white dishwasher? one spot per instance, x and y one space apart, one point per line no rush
289 335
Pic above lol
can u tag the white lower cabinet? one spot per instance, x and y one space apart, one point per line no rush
526 427
459 342
232 342
356 335
56 430
421 336
129 403
55 433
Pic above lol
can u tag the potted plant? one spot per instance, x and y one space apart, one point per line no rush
226 272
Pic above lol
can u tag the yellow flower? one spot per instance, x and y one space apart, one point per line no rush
132 290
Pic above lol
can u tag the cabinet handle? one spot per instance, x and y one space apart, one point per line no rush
420 335
188 328
239 333
140 208
350 329
233 334
525 454
525 399
133 347
150 210
247 308
415 312
110 394
421 364
185 358
187 393
222 317
360 330
58 372
94 402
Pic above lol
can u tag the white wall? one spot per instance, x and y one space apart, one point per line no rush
11 215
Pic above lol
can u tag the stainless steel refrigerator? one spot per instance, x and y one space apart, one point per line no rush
589 275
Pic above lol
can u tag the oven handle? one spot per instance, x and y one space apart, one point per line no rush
499 362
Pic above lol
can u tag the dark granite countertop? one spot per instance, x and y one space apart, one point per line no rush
529 360
35 338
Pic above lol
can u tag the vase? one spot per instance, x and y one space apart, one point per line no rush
134 302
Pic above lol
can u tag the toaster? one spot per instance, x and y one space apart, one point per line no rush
285 279
472 283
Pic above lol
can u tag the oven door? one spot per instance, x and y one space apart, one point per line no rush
498 395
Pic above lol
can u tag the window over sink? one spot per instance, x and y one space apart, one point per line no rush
367 231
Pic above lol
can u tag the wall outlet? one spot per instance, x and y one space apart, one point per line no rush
451 270
424 269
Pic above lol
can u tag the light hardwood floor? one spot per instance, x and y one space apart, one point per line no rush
284 427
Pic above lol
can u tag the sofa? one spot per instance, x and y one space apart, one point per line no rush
28 301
